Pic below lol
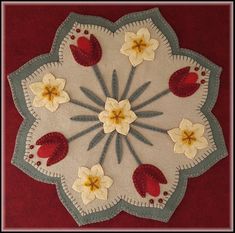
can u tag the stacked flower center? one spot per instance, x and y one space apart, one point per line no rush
139 45
93 182
50 92
117 116
188 137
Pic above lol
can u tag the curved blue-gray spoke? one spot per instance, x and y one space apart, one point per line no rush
128 83
85 118
148 114
84 105
119 147
84 132
149 101
138 92
150 127
115 85
131 149
139 136
101 80
105 149
96 139
92 96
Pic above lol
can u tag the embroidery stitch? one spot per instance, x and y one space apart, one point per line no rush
119 148
84 118
97 138
87 106
139 92
92 96
140 137
115 86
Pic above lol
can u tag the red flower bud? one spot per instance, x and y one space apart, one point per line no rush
147 178
182 83
53 146
88 52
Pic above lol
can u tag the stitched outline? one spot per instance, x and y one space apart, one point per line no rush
177 196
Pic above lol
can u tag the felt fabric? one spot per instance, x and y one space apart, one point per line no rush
55 196
160 153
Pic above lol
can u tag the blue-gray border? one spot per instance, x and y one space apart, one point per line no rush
144 212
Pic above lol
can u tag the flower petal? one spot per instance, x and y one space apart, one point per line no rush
123 128
130 117
87 196
179 148
62 98
83 172
60 83
39 101
175 134
186 125
101 194
125 105
129 36
97 170
198 130
111 104
108 128
136 59
190 152
148 55
106 182
153 44
48 79
103 116
52 106
144 32
36 88
78 185
201 143
126 49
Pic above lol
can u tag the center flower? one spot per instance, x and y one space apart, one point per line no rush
93 182
50 92
139 45
188 137
117 116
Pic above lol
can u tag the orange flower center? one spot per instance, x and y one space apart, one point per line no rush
117 116
50 92
93 182
139 45
188 137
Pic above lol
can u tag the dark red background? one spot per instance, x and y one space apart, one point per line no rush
29 32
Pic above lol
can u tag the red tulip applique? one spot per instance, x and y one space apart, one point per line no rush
53 146
147 179
87 52
183 83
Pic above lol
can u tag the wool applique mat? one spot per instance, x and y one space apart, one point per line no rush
117 116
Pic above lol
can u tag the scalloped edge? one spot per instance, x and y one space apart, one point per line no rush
144 212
